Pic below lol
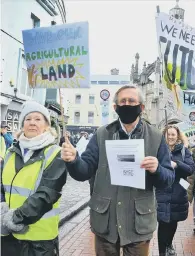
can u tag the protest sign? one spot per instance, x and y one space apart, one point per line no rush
189 130
57 56
177 51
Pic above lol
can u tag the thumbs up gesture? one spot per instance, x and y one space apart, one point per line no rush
68 152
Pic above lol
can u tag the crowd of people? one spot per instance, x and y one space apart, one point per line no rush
34 170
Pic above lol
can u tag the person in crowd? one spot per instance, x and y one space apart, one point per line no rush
32 177
173 201
2 149
191 189
122 216
62 139
7 136
90 135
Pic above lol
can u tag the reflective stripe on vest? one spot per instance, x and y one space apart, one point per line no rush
27 192
48 223
47 156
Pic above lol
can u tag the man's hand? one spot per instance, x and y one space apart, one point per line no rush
150 164
68 152
173 164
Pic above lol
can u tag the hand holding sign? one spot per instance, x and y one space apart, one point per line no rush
68 152
150 164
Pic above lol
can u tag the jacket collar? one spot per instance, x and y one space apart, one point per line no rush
37 155
178 147
116 127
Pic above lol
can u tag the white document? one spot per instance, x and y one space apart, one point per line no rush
124 160
81 145
184 183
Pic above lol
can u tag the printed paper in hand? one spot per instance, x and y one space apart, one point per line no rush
81 145
124 160
184 183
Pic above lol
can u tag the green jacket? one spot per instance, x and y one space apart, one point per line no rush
119 211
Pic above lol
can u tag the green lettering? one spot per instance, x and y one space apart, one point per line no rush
38 56
50 54
83 51
28 57
60 50
55 54
72 51
66 52
42 56
45 54
33 56
78 51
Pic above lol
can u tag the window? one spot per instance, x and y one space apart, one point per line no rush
93 82
90 117
113 82
78 99
124 82
102 82
91 99
77 117
35 20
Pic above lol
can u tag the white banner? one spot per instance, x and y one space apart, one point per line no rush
177 51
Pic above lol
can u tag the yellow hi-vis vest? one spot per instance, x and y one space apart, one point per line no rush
19 186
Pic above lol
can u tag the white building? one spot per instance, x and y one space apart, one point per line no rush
15 17
86 109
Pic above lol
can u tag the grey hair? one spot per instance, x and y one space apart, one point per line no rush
129 86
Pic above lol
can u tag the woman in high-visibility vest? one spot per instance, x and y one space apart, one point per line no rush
33 176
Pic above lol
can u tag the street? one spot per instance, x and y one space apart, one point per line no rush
80 241
73 192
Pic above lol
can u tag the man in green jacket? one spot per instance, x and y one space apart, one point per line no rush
122 216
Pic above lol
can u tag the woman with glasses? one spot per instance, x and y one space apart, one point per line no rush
173 202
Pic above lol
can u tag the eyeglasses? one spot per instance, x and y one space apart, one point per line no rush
129 101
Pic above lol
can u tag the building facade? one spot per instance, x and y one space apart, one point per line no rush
85 107
18 16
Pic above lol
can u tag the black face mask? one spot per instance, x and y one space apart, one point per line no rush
128 114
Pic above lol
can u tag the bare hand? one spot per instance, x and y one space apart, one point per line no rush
150 164
68 152
173 164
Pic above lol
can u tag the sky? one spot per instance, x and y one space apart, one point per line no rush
119 29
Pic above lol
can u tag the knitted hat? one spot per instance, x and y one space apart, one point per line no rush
33 106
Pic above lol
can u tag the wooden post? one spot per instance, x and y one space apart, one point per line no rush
62 113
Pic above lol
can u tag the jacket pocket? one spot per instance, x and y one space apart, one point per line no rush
145 215
99 213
